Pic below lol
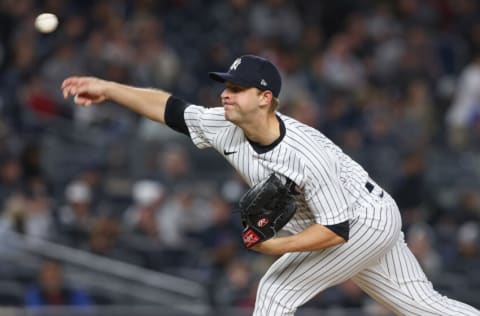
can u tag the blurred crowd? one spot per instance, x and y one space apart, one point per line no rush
395 83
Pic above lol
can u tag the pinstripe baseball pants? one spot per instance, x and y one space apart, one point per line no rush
376 258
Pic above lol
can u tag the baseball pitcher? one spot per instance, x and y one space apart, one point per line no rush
342 224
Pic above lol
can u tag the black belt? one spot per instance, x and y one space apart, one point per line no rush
370 186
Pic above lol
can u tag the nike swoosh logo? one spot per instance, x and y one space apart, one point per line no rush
226 153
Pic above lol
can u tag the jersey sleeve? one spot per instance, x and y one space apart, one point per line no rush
204 124
325 195
174 114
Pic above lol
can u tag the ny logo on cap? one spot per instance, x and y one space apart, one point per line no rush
235 64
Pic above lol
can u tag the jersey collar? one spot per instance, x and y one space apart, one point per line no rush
261 149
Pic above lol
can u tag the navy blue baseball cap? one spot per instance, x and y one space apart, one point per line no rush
252 71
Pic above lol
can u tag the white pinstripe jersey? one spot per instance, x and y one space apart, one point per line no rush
329 179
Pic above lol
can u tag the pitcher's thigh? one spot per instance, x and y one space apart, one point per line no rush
296 277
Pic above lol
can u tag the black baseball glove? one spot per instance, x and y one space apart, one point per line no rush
265 208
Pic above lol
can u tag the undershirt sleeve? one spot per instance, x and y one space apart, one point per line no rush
174 118
341 229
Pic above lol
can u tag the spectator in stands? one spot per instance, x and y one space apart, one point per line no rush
14 208
409 189
52 289
465 109
40 107
103 240
220 237
417 115
174 165
185 213
103 237
25 200
468 206
233 188
142 217
468 243
92 176
351 295
341 68
153 235
276 19
235 287
31 160
11 176
421 240
76 216
38 218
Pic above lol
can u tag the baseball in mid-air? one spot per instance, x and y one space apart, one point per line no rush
46 22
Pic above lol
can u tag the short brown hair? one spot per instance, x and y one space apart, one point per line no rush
274 103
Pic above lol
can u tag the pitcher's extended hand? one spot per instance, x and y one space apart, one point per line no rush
86 90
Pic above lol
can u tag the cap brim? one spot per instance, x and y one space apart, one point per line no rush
219 76
225 76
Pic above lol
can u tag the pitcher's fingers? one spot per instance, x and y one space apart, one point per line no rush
81 100
79 88
67 91
70 81
67 82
